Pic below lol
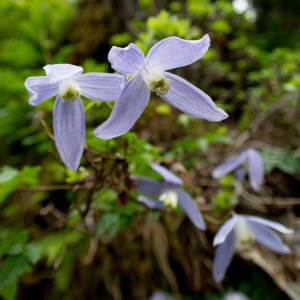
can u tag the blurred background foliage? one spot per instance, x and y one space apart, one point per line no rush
62 237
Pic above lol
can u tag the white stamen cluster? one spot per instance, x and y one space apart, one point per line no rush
69 90
155 80
169 198
242 231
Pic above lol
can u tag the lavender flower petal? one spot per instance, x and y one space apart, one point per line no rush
191 100
255 169
161 296
235 296
223 257
101 86
58 72
126 60
224 231
152 204
174 52
191 210
229 165
240 174
39 89
267 237
168 176
130 105
69 131
274 225
149 187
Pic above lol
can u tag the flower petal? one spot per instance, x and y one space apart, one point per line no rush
229 165
128 60
39 89
101 86
161 296
223 257
240 173
174 52
69 131
152 204
191 209
58 72
255 169
167 175
149 187
224 231
191 100
128 108
274 225
267 237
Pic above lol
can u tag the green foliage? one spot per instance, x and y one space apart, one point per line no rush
11 179
190 146
11 269
285 160
35 39
164 25
225 198
50 215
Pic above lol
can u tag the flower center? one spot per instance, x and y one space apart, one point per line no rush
69 90
169 198
155 80
242 231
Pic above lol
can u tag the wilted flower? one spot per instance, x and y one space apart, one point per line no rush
149 74
248 161
169 194
66 82
245 229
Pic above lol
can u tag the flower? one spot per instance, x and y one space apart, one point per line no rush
161 296
66 82
245 229
249 161
149 74
235 296
169 194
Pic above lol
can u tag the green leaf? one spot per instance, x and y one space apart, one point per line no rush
9 292
283 160
12 268
33 252
7 173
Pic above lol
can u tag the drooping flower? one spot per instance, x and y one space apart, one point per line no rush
149 74
247 162
67 83
168 194
245 229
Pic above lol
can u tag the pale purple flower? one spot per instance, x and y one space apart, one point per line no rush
149 74
67 83
245 229
169 194
235 296
248 161
161 296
